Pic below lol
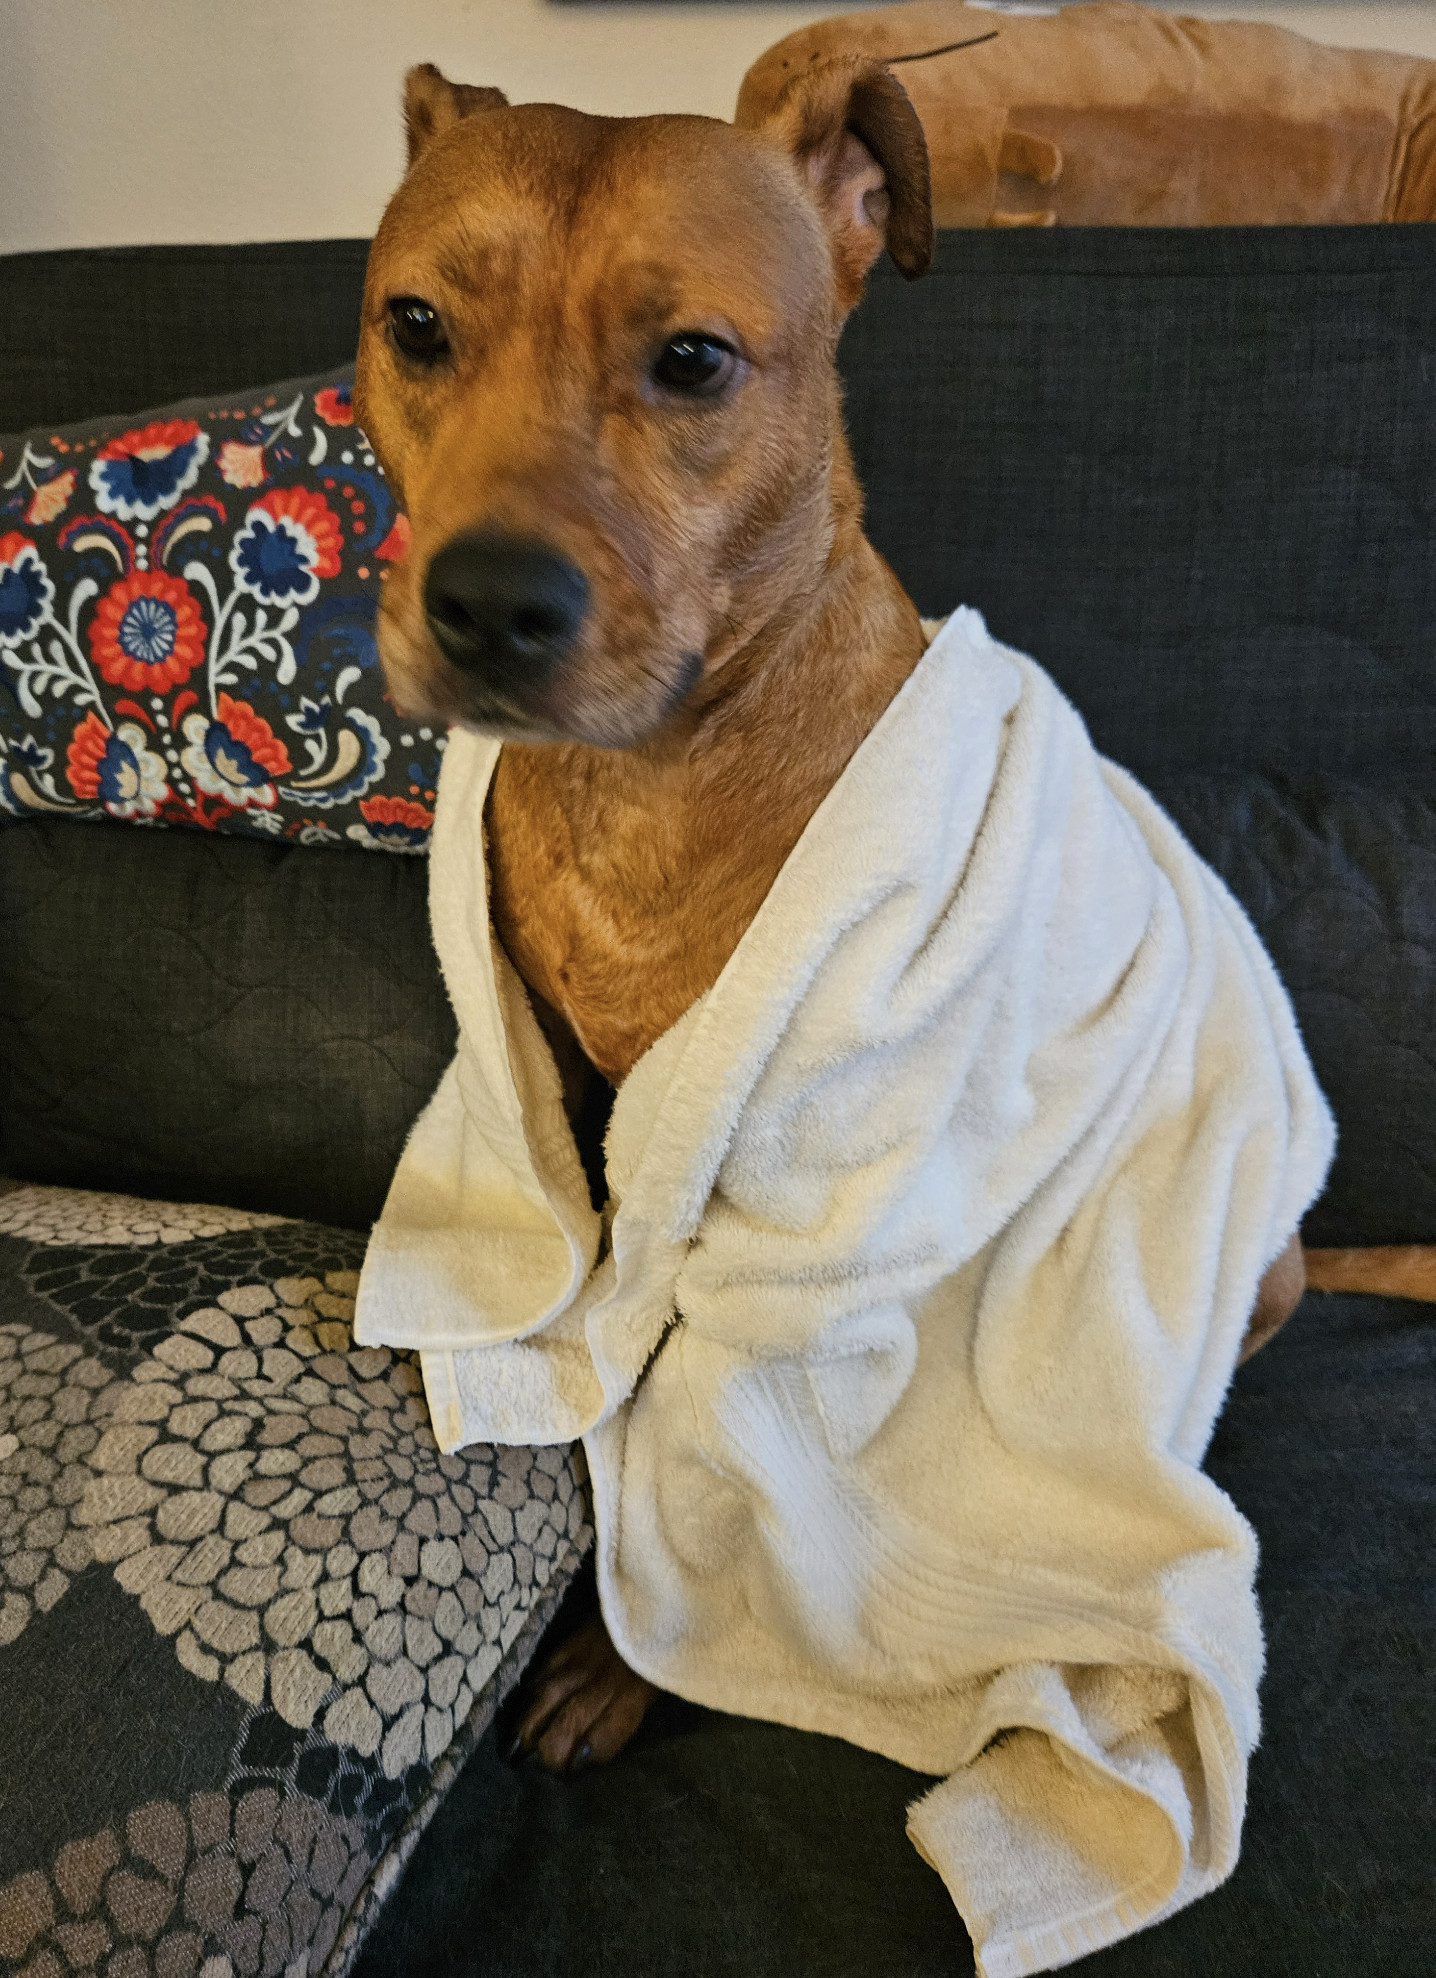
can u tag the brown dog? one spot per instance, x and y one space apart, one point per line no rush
598 365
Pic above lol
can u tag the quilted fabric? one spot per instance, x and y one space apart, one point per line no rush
187 604
1188 471
1340 880
186 1014
107 329
251 1621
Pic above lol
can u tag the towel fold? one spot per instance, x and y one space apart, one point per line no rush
933 1232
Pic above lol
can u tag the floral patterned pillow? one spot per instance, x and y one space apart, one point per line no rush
187 604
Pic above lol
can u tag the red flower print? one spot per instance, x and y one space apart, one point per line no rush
395 546
160 436
397 810
115 766
85 755
392 824
147 633
335 405
311 513
236 756
255 735
242 466
50 497
142 473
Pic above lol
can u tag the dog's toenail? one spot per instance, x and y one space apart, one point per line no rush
583 1756
514 1751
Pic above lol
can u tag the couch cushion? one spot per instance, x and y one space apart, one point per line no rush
1186 471
1340 880
192 1015
1189 473
251 1622
187 602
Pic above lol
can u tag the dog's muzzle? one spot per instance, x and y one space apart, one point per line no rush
506 611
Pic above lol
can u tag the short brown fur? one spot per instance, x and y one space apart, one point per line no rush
628 860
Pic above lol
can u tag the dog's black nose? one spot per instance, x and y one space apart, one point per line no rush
504 608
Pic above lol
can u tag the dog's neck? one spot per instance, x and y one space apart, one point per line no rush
622 880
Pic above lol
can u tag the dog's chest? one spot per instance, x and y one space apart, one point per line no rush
619 920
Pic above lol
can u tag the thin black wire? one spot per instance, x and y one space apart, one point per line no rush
947 48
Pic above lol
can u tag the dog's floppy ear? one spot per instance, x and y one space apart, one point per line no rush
432 103
851 127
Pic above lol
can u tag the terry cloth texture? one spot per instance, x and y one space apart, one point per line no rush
723 1848
933 1233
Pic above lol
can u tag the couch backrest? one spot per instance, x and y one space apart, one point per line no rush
90 331
1189 472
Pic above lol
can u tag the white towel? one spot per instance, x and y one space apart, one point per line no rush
933 1235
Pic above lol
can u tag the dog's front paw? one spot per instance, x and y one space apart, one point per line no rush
583 1705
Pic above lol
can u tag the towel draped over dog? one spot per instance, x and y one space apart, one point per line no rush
933 1233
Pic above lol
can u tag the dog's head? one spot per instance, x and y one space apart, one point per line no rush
597 363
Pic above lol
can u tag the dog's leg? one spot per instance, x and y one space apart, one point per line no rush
1278 1295
583 1706
1398 1270
1393 1271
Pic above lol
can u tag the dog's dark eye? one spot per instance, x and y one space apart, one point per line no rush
416 328
694 364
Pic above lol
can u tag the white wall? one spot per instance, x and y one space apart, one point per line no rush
169 120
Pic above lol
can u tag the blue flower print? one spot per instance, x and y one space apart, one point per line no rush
142 473
25 590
